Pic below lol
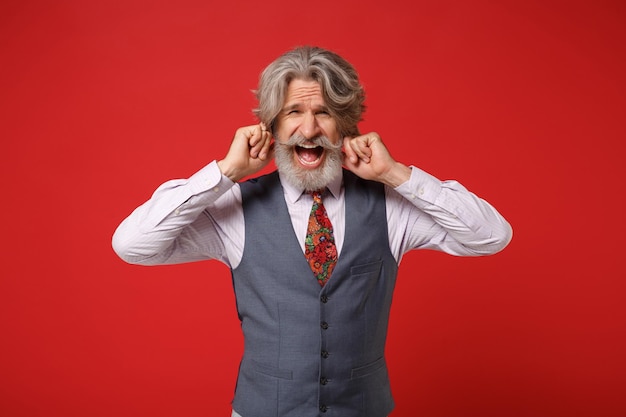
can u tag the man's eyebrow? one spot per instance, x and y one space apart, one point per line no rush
292 106
323 107
295 106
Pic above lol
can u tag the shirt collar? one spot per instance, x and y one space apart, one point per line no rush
293 194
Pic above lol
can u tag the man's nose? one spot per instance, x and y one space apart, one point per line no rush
309 127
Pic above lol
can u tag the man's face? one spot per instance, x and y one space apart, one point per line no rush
308 150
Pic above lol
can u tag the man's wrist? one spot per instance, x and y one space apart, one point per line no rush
397 175
228 171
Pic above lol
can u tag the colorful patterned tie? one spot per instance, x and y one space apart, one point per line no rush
320 249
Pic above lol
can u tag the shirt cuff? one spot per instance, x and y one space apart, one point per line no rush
209 182
420 188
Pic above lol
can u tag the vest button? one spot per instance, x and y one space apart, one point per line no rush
323 408
323 381
324 298
325 354
324 325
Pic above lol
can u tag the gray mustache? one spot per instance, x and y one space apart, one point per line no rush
323 141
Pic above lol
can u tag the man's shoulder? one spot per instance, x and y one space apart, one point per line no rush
259 185
350 179
261 179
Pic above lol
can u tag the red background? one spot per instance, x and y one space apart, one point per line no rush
523 102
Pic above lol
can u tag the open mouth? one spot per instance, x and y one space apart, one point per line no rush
309 155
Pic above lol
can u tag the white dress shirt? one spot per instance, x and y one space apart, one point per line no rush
201 218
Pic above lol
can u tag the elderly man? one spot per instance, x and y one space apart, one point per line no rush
314 247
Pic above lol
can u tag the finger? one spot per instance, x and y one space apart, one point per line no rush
254 135
361 148
258 140
267 143
348 151
270 151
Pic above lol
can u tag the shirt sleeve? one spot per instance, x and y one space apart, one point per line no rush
178 223
426 213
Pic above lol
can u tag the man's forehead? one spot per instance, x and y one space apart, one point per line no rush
303 90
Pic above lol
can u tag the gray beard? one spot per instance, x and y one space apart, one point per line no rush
308 179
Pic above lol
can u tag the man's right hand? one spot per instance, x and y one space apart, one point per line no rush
251 150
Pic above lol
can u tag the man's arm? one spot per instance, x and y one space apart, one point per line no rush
197 218
175 225
424 212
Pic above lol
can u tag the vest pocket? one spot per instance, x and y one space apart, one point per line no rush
257 390
368 268
368 369
269 370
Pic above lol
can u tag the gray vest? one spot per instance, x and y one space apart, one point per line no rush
313 351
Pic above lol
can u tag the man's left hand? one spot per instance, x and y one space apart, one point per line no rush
368 157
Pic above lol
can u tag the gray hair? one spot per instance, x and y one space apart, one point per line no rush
338 80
